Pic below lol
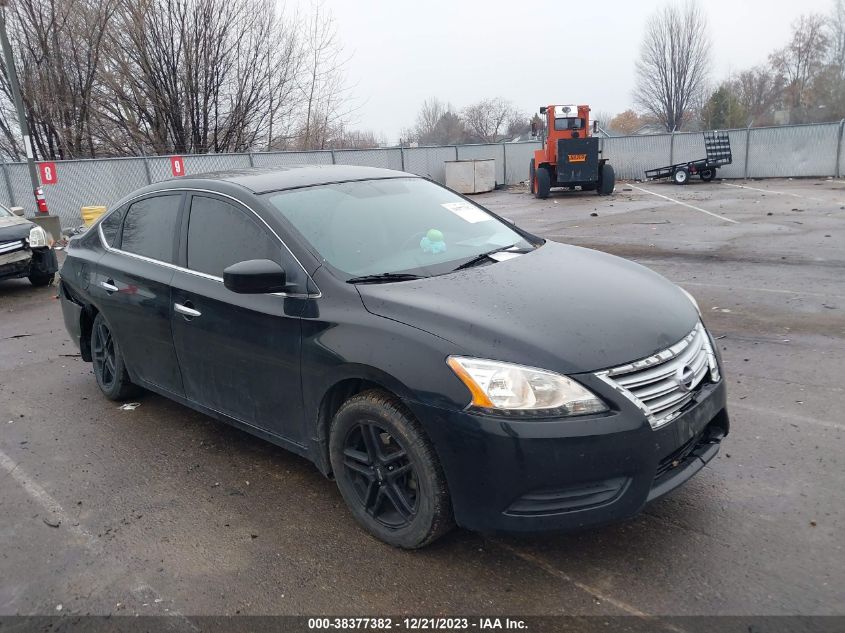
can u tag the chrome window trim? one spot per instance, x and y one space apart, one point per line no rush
111 249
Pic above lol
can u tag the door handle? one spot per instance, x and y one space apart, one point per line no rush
186 310
109 286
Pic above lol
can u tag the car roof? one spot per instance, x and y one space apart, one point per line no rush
266 179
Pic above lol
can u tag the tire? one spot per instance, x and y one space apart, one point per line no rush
372 435
681 176
607 179
531 176
109 366
39 280
707 174
543 183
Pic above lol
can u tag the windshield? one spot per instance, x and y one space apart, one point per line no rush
402 225
5 213
569 124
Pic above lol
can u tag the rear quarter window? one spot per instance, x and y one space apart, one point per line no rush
150 227
110 227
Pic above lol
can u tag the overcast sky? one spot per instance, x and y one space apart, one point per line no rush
531 52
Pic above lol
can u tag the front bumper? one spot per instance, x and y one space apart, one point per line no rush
26 262
568 474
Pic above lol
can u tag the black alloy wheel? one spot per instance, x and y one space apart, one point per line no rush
109 367
103 353
387 471
382 475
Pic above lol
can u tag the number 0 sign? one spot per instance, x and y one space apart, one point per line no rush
48 173
177 166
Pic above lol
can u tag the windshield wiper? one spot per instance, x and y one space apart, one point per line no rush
480 258
383 278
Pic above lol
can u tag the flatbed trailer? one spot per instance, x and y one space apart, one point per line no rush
718 148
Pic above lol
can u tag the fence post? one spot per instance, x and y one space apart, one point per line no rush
334 161
9 183
402 155
747 151
147 167
251 159
504 163
456 153
672 148
837 173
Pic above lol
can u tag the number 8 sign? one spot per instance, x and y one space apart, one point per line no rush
48 173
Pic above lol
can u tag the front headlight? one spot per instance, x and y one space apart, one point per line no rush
692 300
514 389
37 237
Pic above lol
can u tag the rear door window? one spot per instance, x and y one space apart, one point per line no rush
221 234
150 227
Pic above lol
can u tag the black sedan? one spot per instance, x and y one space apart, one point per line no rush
25 250
442 364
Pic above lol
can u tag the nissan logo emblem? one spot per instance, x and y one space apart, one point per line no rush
685 377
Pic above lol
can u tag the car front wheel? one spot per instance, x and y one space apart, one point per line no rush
387 471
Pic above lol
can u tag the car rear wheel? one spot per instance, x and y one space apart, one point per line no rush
542 182
109 367
387 471
681 176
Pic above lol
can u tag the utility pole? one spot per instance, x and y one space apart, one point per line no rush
12 75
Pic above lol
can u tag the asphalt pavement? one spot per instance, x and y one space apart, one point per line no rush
161 510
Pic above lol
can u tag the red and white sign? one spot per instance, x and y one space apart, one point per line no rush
177 166
48 173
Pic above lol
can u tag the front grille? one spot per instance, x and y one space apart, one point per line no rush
662 385
8 247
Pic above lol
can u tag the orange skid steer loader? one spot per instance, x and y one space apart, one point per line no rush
570 154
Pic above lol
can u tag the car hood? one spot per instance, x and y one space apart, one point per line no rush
15 228
560 307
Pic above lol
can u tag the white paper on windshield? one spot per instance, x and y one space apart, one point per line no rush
467 212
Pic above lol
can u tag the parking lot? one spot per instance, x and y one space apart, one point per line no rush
162 510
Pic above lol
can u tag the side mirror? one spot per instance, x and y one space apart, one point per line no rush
255 277
17 211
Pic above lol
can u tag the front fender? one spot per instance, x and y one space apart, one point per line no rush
360 347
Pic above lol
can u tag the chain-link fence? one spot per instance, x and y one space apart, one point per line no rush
788 151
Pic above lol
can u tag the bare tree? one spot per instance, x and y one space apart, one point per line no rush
58 45
759 90
673 65
437 124
324 91
198 76
429 116
486 120
802 60
837 35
